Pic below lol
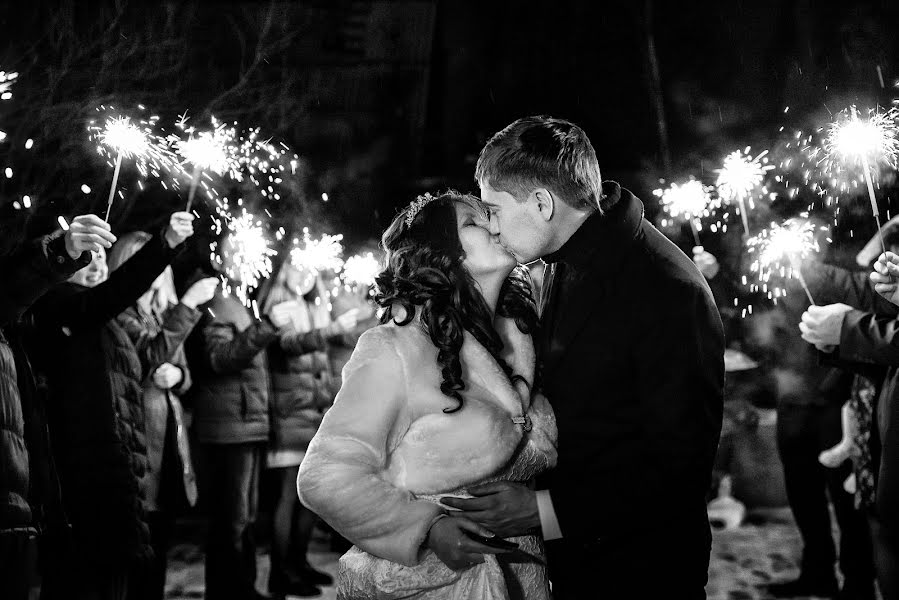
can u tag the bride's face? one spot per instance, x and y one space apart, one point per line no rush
484 255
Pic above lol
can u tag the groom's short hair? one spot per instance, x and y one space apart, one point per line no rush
542 151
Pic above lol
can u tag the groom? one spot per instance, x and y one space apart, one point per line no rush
631 349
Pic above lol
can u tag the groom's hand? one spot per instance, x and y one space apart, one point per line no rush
506 508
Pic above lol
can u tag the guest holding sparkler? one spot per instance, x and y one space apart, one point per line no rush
302 389
231 409
28 501
157 325
96 419
862 338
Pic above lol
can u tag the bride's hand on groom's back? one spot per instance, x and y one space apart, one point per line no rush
447 539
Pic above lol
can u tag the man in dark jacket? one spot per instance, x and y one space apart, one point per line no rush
231 421
632 355
25 275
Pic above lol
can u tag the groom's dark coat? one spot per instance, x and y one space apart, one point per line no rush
632 355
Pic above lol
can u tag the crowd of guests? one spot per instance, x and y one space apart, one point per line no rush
97 354
829 369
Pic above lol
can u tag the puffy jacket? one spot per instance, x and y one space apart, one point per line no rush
230 393
26 274
95 411
302 388
158 339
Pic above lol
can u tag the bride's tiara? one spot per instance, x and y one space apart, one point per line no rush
416 205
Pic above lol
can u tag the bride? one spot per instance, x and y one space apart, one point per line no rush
435 399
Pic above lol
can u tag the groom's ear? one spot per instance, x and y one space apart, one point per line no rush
546 203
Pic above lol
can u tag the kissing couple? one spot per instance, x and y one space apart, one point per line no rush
487 445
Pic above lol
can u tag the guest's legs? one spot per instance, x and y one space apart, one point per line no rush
233 472
806 482
856 555
282 529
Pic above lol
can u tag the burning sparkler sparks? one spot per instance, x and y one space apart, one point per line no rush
216 150
779 252
361 269
318 255
124 139
690 201
867 142
245 254
740 177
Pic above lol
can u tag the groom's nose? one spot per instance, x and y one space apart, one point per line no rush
493 225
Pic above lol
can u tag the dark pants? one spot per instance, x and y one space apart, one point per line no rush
659 564
148 581
802 433
18 563
233 474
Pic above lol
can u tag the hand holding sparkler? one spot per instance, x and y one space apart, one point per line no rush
88 233
705 262
885 277
200 292
280 314
821 325
180 228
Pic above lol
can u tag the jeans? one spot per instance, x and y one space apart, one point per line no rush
233 473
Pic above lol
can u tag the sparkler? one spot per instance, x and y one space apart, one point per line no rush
216 150
690 200
793 241
869 142
246 255
318 255
739 176
125 139
361 269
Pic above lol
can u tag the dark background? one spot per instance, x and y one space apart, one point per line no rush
385 99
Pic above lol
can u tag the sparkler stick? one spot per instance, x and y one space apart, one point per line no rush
115 180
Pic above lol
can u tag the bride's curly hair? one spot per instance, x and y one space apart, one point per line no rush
424 269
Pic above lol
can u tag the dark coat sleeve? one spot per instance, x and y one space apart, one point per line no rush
95 306
156 349
830 284
869 338
231 351
30 270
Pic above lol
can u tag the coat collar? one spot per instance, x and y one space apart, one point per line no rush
604 239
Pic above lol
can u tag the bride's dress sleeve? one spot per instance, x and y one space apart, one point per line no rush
342 478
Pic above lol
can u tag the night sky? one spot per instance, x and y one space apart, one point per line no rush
383 100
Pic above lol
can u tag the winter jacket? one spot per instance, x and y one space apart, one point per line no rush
95 412
25 275
632 350
230 393
158 339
